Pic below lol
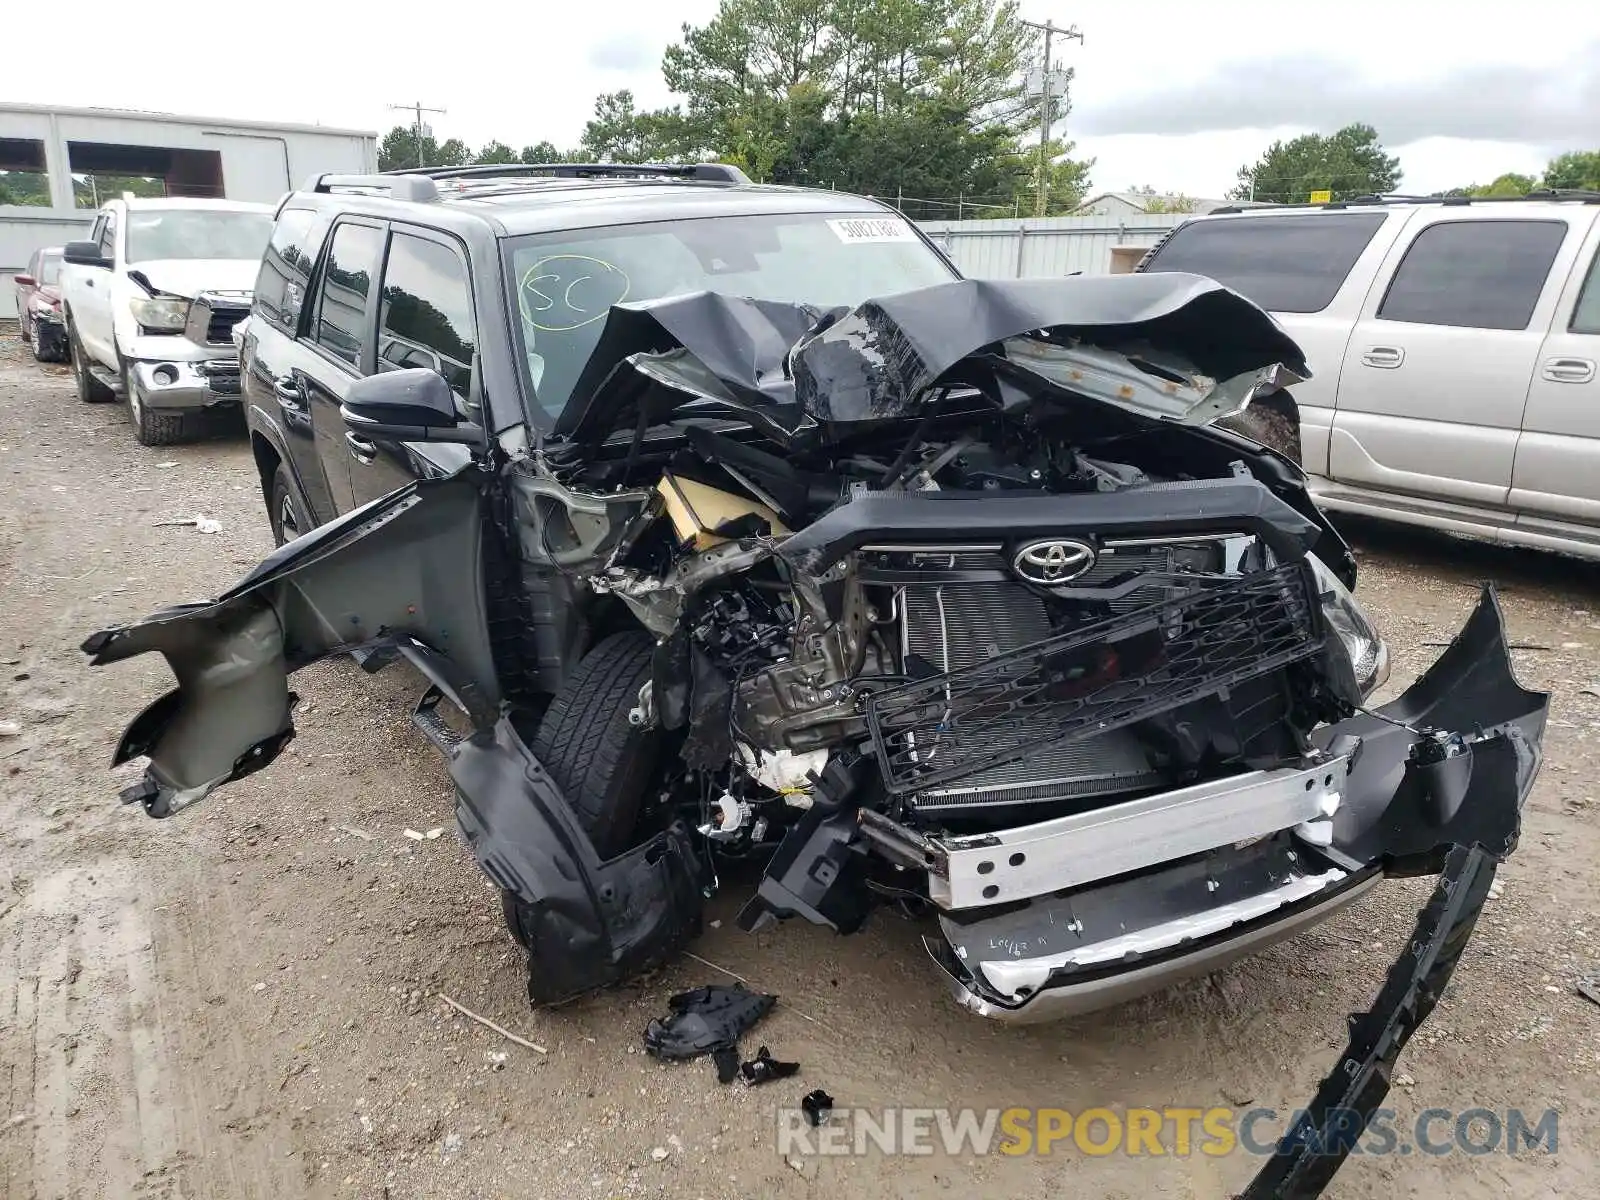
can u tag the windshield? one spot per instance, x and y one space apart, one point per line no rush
565 283
196 233
49 269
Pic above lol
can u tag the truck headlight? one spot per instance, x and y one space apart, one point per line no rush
1366 652
160 314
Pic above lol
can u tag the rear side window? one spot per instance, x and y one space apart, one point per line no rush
1474 274
426 316
1586 317
1285 264
341 326
286 266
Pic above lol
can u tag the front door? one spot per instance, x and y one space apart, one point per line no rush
1557 472
1436 374
91 312
425 319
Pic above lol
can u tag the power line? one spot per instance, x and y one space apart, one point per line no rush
1041 203
417 128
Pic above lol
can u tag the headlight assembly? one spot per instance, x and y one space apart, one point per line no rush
160 314
1365 651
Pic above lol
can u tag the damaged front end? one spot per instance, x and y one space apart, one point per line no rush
957 599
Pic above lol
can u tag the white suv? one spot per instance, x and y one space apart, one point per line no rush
1453 343
150 301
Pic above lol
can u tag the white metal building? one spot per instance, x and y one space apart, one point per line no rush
58 164
1050 246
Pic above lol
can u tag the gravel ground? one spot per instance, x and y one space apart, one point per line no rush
243 1001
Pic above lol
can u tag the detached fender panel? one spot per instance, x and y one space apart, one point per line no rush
585 922
405 568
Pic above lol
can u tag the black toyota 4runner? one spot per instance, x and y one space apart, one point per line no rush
726 521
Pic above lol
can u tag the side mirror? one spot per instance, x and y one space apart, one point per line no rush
25 280
84 254
413 405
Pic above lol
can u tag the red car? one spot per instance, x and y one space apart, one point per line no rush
39 305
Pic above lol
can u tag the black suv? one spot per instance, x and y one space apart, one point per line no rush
727 522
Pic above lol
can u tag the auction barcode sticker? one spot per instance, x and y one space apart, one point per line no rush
872 229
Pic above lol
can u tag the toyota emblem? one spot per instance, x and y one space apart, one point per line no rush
1052 562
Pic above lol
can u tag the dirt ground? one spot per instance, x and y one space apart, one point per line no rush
243 1001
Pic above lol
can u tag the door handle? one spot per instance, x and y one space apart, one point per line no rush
290 394
360 448
1568 370
1386 357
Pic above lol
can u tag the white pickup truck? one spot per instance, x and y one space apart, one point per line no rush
1453 345
150 300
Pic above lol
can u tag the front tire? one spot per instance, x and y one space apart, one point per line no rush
90 389
603 763
151 427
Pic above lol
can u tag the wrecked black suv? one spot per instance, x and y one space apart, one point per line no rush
727 522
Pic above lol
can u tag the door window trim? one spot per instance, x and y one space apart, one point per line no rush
473 403
1422 232
369 318
1589 288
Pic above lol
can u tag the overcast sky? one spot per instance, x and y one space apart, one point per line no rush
1175 95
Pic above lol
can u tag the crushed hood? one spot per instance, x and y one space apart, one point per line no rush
1169 346
188 277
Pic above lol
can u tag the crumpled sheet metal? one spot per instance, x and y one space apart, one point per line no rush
877 360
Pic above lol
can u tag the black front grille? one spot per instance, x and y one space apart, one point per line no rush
220 327
1091 680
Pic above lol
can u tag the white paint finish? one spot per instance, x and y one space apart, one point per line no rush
1437 409
1557 468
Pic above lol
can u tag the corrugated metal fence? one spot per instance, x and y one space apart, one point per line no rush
1050 246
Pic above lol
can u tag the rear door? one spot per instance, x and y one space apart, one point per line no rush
425 319
1557 470
272 361
1311 270
1434 382
339 347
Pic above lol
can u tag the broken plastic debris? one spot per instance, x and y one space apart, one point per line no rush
708 1020
434 832
416 835
763 1068
165 465
10 729
816 1106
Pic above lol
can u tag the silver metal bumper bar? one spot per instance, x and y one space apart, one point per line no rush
1033 860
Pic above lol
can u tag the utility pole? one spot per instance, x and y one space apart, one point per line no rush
417 126
1049 29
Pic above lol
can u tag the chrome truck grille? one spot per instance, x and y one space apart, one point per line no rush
969 733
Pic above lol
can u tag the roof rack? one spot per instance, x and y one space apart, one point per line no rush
1579 195
704 172
407 185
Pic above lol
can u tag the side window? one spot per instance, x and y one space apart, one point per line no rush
341 327
286 266
1290 264
426 311
1586 316
108 237
1474 274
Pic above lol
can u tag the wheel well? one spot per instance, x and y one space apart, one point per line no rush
1279 401
267 460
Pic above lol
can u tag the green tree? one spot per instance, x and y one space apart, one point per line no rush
1578 169
1348 163
1509 184
401 148
496 152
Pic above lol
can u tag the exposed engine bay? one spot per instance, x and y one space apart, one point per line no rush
933 598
